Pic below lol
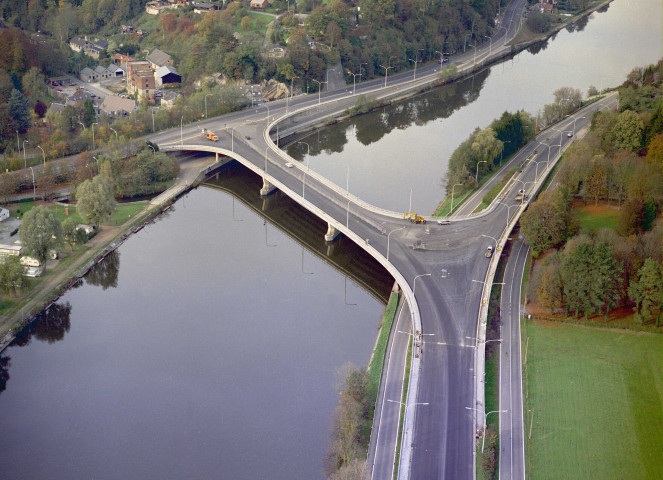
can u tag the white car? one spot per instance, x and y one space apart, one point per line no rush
289 164
33 271
569 134
442 221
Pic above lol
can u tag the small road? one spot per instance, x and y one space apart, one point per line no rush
511 425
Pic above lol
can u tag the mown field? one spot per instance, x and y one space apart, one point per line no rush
598 403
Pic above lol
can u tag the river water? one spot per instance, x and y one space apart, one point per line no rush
208 346
401 152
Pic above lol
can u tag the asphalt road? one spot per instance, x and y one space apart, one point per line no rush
511 424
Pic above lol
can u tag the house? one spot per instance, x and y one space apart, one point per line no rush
119 59
89 76
158 58
129 28
276 51
168 98
115 71
140 79
166 76
4 214
141 33
258 4
202 7
103 73
77 44
115 106
55 108
154 8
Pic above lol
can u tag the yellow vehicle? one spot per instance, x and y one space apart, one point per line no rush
209 135
414 218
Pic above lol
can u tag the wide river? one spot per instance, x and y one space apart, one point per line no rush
210 344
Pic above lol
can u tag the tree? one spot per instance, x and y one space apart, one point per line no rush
546 222
40 232
627 131
71 234
95 200
568 99
486 147
34 85
11 275
19 110
647 290
550 291
655 150
596 180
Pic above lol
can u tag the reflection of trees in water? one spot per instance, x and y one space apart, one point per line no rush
105 273
5 363
580 24
50 325
538 47
438 103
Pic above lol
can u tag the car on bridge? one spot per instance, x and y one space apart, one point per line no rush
443 221
489 251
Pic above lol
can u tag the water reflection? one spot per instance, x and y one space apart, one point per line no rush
50 325
5 363
104 274
438 103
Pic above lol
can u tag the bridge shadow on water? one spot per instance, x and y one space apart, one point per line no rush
303 227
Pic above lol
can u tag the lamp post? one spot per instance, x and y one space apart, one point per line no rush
181 131
452 197
476 177
25 162
405 405
465 42
502 152
292 91
207 95
536 174
115 131
97 162
42 154
152 110
508 213
154 151
574 124
18 142
92 126
414 282
485 419
34 188
354 81
494 239
416 60
441 57
320 84
308 152
389 237
386 73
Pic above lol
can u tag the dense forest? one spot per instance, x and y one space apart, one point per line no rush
617 167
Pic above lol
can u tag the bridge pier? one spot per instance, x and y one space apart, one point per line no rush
332 233
267 187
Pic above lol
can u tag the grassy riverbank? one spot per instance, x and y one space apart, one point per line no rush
596 401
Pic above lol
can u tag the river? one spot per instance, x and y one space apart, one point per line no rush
212 351
399 154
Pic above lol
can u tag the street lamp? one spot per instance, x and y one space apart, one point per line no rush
181 131
441 57
93 145
404 405
354 81
485 419
476 177
389 236
494 283
115 131
416 60
452 197
308 152
386 73
414 282
154 151
25 162
152 110
502 152
42 154
320 84
34 188
508 213
574 124
207 95
494 239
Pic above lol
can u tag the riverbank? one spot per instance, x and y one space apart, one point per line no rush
107 240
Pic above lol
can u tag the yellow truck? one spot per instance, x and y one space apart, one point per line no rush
414 218
209 135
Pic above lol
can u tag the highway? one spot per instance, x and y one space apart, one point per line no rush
439 429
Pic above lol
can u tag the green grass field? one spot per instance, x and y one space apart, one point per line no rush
597 400
594 218
123 212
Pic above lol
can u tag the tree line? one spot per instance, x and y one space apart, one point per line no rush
618 163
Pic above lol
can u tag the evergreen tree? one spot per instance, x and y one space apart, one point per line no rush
19 110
